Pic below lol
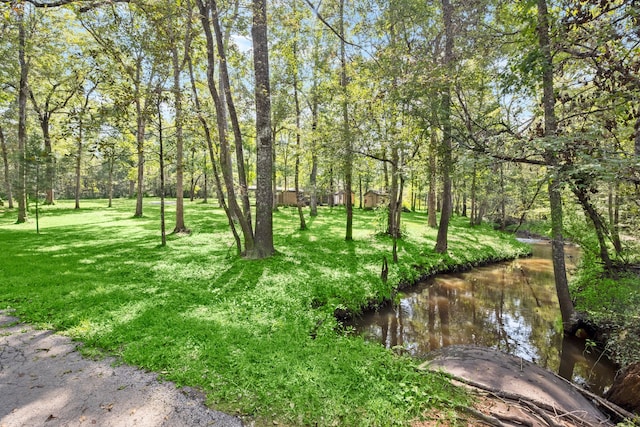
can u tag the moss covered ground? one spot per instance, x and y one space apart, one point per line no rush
258 337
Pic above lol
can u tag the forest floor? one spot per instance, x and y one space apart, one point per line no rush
258 338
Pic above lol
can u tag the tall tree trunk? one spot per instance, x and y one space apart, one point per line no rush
79 161
140 135
313 177
7 174
264 164
163 229
432 219
177 99
225 156
554 186
299 196
346 134
233 115
445 151
23 92
392 228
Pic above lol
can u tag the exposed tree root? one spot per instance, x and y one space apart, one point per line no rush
544 413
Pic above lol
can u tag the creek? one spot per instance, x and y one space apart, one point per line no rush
509 306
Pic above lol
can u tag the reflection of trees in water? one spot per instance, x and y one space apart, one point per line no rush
511 306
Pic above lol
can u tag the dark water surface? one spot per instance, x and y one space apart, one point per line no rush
510 306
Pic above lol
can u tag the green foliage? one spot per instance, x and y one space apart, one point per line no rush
259 337
611 300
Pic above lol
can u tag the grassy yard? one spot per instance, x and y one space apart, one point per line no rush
258 337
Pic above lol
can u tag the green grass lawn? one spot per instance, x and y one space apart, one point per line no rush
258 337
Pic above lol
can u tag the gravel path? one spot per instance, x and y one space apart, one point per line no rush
44 381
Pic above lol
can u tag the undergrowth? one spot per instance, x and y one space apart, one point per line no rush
258 337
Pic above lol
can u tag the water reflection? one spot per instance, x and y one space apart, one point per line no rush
509 306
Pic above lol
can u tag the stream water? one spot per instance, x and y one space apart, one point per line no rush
510 306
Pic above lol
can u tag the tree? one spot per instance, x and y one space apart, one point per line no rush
346 131
80 115
554 187
264 196
126 40
445 119
23 93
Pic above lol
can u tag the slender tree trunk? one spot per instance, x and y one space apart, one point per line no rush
313 177
503 208
177 99
140 135
111 165
23 92
596 219
163 229
431 196
79 162
207 131
614 217
274 182
235 125
443 229
474 193
264 165
392 228
299 196
7 174
49 159
225 156
348 158
554 187
206 180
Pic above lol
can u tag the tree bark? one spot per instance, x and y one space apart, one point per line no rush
140 134
163 229
445 150
177 99
596 219
432 219
554 187
264 165
225 156
313 177
393 193
23 92
233 115
205 126
346 134
296 99
79 161
7 174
